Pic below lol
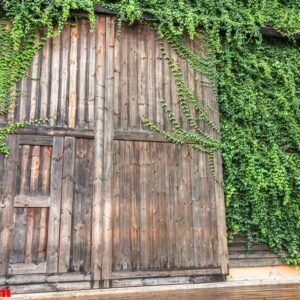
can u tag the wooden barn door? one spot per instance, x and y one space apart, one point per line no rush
32 203
45 213
158 212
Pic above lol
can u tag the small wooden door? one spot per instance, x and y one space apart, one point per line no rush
46 205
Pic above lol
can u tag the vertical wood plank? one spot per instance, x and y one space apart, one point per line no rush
82 73
221 219
45 190
66 206
171 217
124 101
151 71
132 77
44 82
7 205
108 150
196 201
55 205
116 205
117 84
31 230
144 225
73 77
64 76
55 80
99 130
35 74
142 77
91 79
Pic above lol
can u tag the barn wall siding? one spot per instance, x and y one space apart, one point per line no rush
94 192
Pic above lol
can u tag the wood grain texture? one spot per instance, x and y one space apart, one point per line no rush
55 203
108 152
67 205
99 154
211 291
7 199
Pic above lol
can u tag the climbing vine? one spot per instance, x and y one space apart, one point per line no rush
257 83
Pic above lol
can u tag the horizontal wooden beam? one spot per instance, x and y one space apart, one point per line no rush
272 32
38 140
166 273
44 278
28 201
27 268
139 282
143 136
56 131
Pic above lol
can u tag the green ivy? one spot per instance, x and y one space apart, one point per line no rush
257 83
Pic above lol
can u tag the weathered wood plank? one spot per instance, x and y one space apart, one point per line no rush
99 154
220 215
72 93
91 80
64 74
55 202
66 206
144 221
27 268
55 80
44 82
35 140
7 202
108 150
162 273
50 287
82 72
51 131
31 201
81 213
45 190
43 278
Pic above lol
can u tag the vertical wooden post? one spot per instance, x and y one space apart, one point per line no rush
7 202
96 264
55 203
66 206
221 217
108 153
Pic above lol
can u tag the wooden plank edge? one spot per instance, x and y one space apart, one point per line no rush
139 282
167 273
44 278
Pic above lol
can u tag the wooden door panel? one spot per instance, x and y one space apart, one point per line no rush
31 208
163 209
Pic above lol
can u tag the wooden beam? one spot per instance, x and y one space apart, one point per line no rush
67 205
164 273
107 179
272 32
54 214
27 268
55 131
7 203
96 264
37 140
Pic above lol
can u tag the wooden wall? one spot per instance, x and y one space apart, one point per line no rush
93 198
259 256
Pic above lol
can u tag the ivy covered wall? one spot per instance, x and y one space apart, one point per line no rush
257 83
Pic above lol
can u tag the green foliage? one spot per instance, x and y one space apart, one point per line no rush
257 82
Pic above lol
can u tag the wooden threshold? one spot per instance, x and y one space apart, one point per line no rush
250 290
